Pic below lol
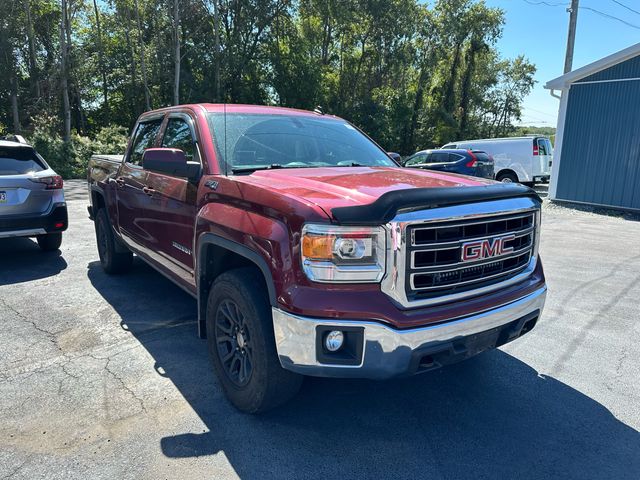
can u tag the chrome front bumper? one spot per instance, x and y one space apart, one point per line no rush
387 352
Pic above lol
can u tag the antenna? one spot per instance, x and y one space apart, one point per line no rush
224 110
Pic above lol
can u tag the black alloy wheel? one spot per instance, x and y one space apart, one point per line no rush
233 340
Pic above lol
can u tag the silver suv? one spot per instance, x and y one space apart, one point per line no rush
31 196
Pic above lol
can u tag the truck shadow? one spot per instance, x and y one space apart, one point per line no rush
491 417
21 260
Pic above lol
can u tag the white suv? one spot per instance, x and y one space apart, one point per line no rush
31 196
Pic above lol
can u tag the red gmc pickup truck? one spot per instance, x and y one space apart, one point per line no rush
311 252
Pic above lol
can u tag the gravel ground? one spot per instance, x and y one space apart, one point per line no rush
577 209
104 377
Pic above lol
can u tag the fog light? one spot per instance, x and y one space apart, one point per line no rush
334 340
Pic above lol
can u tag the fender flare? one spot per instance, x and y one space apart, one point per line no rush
207 239
95 189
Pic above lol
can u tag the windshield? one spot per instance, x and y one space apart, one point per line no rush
256 141
18 161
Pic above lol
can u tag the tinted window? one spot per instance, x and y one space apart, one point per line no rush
255 140
544 146
482 157
178 135
18 161
144 138
417 159
438 157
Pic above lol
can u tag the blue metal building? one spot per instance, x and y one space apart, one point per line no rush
597 148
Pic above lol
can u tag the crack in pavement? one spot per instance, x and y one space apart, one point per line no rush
51 336
17 469
125 386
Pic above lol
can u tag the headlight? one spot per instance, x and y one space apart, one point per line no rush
336 254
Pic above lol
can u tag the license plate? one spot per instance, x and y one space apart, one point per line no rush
3 197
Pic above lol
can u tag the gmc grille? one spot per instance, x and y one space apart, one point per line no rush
435 264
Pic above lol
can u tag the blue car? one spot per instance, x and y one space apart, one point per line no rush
467 162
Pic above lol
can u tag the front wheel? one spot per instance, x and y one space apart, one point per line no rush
111 259
242 346
50 242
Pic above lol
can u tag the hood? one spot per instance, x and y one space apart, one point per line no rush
351 186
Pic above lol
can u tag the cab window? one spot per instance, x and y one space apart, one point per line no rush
178 135
144 138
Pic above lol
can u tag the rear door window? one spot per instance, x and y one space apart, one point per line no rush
178 135
439 157
144 138
19 161
544 146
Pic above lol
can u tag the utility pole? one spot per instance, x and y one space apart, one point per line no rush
571 38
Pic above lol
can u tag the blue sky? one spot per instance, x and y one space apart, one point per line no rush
540 33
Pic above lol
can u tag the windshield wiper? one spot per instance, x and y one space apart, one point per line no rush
273 166
353 164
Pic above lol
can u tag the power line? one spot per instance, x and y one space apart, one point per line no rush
606 15
625 6
531 2
597 12
541 112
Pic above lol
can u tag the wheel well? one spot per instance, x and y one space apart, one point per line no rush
219 260
214 260
504 171
97 201
97 204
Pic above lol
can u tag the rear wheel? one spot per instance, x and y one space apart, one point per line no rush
507 177
242 345
50 242
111 259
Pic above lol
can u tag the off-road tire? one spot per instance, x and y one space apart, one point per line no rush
112 260
267 385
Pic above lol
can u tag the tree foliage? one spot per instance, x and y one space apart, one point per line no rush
411 75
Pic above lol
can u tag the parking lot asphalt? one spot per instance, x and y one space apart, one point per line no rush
104 377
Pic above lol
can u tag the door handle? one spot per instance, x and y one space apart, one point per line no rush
120 181
148 191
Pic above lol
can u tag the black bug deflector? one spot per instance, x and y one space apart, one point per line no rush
387 206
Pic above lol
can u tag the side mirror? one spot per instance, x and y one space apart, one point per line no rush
395 156
171 161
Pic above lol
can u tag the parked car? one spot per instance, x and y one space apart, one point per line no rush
31 196
466 162
311 252
395 157
516 159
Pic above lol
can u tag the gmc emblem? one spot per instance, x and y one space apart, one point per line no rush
487 248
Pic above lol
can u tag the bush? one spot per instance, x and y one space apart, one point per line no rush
70 159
